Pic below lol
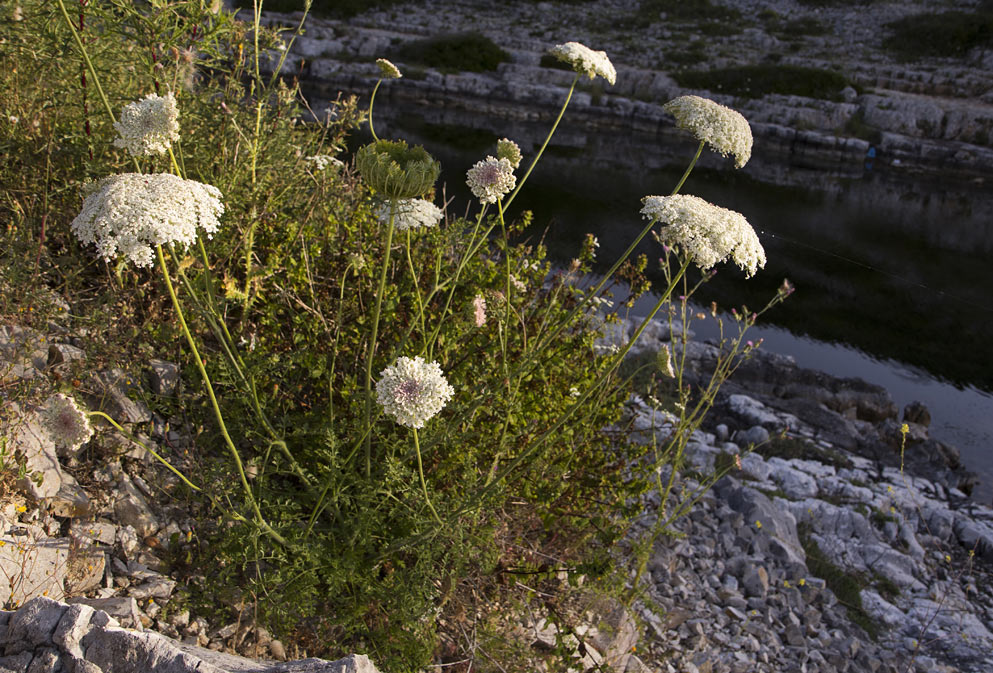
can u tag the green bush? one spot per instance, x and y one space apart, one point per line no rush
755 81
687 10
463 52
948 34
291 276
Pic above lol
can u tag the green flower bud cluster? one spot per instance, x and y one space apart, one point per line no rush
397 171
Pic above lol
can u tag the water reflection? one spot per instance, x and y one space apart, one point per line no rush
893 267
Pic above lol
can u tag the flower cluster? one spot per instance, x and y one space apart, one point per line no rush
148 126
129 214
412 391
479 310
491 179
388 70
411 213
322 161
66 423
509 150
585 61
726 131
708 234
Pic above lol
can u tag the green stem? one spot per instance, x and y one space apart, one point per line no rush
417 290
372 101
534 162
471 249
142 445
420 471
613 269
213 401
689 169
373 334
93 72
533 448
506 303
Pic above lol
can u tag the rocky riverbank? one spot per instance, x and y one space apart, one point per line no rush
825 548
818 553
931 115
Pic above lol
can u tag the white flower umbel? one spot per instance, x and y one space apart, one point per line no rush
706 233
491 178
148 126
412 391
585 61
131 213
388 70
411 214
726 131
509 150
66 423
322 161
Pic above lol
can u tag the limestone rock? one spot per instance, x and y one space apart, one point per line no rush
111 388
47 636
32 568
23 354
164 377
29 439
132 510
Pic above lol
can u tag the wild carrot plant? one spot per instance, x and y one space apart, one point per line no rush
397 405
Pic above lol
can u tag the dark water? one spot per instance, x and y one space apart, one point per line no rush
893 278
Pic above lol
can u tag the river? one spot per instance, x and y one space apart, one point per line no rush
892 273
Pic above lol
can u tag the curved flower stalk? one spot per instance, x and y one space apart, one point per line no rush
705 233
386 71
413 391
726 131
148 126
130 214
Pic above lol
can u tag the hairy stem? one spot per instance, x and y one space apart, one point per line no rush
213 401
373 334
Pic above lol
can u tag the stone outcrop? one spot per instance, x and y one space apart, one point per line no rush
836 565
46 636
933 116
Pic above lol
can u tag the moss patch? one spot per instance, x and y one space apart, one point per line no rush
847 587
948 34
755 81
459 52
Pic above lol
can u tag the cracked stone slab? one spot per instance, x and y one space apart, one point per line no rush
45 636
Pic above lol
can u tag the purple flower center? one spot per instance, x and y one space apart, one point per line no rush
408 391
489 174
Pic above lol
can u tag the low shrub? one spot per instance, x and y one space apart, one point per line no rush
462 52
755 81
946 34
687 10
